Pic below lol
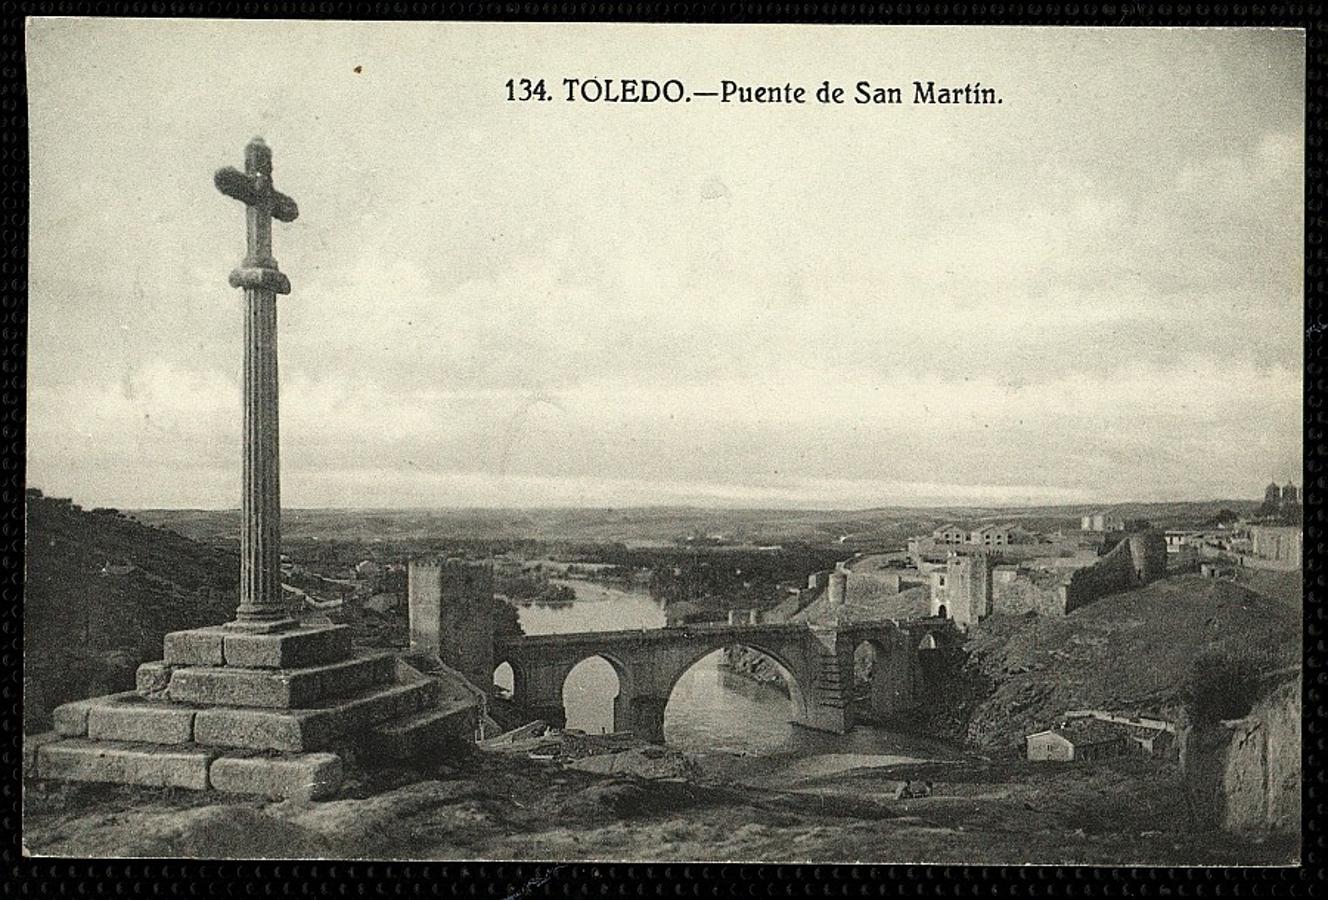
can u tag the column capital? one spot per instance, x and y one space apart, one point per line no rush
262 277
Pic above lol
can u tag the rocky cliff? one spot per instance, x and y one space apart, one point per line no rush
1244 774
1130 651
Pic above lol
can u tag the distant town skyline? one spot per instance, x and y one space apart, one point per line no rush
1092 293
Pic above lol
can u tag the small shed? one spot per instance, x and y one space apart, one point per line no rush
1084 740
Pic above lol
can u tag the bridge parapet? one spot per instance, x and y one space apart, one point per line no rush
651 635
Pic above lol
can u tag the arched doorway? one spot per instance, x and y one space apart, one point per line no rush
589 692
870 680
941 612
738 699
504 680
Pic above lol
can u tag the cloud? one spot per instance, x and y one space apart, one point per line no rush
1094 291
804 436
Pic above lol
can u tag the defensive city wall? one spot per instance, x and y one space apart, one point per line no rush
966 583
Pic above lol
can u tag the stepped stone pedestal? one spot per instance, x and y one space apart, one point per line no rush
253 713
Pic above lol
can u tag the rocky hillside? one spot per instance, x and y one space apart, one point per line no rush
101 591
1128 652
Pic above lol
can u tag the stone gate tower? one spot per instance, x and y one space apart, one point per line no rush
451 614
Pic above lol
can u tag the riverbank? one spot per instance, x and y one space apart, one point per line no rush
494 805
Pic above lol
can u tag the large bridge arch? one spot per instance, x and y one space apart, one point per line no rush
791 672
708 705
658 669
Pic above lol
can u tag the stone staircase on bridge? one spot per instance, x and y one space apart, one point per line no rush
265 714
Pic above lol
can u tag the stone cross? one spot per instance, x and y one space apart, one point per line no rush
261 608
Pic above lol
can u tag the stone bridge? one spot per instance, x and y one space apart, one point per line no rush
817 663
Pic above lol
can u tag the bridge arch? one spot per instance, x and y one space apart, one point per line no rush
704 709
623 675
789 671
520 676
871 656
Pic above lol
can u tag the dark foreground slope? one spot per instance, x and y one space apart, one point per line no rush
101 591
497 806
1128 652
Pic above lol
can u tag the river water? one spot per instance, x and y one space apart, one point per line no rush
711 709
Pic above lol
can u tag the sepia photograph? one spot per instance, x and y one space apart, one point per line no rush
645 442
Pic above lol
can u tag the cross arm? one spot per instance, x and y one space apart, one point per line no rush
236 184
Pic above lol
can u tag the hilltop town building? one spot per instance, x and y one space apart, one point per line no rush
962 589
1279 545
950 534
992 536
1280 502
982 536
1101 522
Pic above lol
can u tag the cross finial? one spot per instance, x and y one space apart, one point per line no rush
258 157
253 187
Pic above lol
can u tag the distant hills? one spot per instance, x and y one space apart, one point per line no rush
656 525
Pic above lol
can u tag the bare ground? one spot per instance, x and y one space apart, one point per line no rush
502 806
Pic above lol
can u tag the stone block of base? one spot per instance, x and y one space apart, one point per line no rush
296 648
76 759
145 721
195 647
299 730
71 719
426 732
31 744
153 679
306 776
280 688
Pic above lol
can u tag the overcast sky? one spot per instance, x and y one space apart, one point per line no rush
1091 292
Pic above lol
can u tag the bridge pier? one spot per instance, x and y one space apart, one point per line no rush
826 701
643 716
552 713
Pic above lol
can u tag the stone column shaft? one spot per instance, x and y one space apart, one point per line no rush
261 601
261 605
